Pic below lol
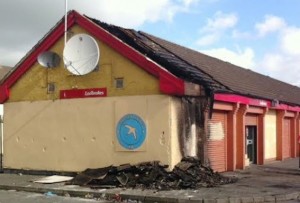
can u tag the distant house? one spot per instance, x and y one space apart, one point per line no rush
148 99
3 71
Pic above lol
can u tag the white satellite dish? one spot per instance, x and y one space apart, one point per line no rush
48 59
81 54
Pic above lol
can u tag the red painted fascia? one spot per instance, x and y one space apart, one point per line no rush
287 107
4 93
22 68
233 98
169 84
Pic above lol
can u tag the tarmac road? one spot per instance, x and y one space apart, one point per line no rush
13 196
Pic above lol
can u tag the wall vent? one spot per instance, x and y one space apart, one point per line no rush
51 88
119 83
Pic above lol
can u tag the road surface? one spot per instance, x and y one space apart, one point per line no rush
26 197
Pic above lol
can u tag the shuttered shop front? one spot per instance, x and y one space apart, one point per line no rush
216 141
251 120
286 140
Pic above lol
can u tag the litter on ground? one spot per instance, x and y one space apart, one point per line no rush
53 179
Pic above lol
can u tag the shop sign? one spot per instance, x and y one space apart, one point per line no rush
131 131
83 93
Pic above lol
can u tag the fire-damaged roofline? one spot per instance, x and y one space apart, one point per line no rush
182 68
169 83
166 58
177 74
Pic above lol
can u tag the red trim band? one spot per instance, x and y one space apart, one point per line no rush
233 98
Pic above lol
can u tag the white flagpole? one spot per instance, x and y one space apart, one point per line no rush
66 20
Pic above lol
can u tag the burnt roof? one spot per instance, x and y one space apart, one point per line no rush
161 55
239 80
214 74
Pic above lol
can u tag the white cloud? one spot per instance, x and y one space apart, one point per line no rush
244 58
283 67
11 57
272 62
236 34
132 13
32 19
283 62
220 21
215 27
208 39
270 24
290 41
188 3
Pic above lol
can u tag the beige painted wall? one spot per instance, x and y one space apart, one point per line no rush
270 135
175 131
75 134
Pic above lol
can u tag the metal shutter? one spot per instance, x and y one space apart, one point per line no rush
286 139
251 119
216 141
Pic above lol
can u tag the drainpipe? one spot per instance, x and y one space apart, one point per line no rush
66 21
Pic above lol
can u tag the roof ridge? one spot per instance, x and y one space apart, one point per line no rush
240 80
146 35
183 63
222 61
158 53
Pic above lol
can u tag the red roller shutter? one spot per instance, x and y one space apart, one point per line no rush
216 142
251 119
286 140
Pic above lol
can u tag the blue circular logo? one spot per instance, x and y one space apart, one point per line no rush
131 131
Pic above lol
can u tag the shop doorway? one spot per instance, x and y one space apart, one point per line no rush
251 144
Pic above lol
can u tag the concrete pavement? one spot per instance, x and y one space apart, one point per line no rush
28 197
274 182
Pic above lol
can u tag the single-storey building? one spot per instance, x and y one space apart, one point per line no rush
147 99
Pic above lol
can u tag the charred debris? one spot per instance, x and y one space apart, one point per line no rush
187 174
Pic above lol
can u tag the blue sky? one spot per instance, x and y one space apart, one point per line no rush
263 36
260 35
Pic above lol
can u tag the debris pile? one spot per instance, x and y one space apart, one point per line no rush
187 174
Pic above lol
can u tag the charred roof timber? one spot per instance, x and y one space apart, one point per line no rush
216 76
213 74
187 174
142 42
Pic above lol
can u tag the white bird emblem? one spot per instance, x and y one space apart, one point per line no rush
131 130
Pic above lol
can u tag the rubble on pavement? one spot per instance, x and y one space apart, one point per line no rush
187 174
